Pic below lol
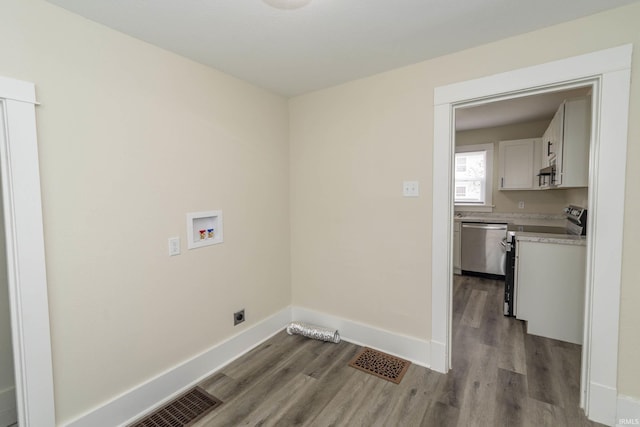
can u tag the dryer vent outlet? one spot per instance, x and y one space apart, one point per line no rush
238 317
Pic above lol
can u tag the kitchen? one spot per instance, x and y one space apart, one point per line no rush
522 176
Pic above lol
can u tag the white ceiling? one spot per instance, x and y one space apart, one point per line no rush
328 41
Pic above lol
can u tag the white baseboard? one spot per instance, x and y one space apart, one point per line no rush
439 357
413 349
142 399
628 413
8 412
602 403
155 392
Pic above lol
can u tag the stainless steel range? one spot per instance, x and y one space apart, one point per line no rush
576 225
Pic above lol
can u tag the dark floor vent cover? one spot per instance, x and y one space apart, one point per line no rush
182 411
380 364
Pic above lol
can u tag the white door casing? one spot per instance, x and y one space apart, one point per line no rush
609 73
25 254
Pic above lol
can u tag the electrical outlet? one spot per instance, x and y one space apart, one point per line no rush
238 317
521 205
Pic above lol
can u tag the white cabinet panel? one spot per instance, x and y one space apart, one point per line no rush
550 286
573 159
457 259
565 143
518 164
552 138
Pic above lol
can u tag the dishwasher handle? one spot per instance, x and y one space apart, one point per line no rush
506 245
484 226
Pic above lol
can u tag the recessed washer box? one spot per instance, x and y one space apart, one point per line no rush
204 229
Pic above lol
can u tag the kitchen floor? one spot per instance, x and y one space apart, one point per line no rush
510 377
500 377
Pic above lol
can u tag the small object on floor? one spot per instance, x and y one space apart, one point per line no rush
183 411
380 364
312 331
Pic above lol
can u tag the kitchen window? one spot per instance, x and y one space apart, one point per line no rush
473 177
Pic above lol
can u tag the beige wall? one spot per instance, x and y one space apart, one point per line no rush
535 201
360 250
131 138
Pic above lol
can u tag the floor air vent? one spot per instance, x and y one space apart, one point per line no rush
182 411
380 364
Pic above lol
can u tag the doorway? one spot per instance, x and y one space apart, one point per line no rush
515 369
608 72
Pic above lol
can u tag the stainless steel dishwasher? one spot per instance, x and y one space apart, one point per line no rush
483 249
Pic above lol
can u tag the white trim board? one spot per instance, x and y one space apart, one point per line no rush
409 348
26 273
17 90
144 398
628 411
609 73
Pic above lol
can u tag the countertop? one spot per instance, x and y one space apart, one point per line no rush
562 239
512 218
549 220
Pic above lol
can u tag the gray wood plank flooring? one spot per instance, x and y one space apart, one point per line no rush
501 376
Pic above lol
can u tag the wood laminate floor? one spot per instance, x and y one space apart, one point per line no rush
500 377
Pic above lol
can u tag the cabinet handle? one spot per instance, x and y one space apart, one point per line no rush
502 182
548 148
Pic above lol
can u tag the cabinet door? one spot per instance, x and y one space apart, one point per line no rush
516 164
546 147
550 289
553 144
565 143
573 160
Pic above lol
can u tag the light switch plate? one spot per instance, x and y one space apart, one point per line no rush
410 189
174 246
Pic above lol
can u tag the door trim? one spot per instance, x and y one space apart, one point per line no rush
609 72
25 255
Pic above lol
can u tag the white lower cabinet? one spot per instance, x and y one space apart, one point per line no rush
550 289
457 262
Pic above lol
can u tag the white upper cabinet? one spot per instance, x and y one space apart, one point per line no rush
519 163
552 138
565 144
